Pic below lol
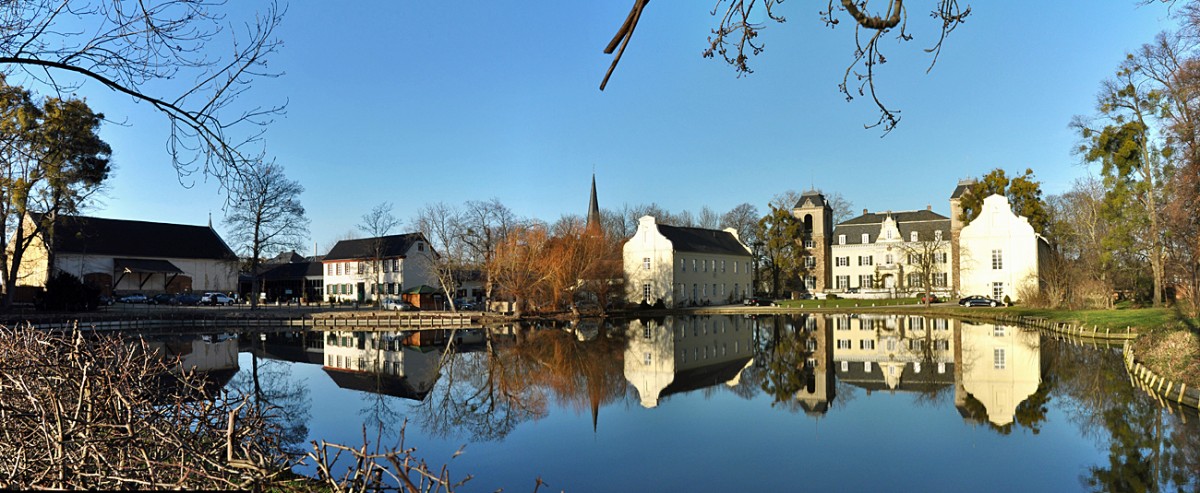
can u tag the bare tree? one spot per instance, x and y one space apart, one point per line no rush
377 224
485 224
708 218
744 218
736 38
442 226
133 47
840 205
265 216
928 259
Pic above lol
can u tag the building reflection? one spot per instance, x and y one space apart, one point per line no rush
674 355
1001 368
894 353
381 362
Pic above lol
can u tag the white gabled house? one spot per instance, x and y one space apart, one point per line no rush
1001 254
368 268
685 266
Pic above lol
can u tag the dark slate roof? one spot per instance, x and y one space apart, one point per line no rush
376 383
286 257
293 271
364 248
910 380
811 198
924 222
963 186
700 240
120 237
704 376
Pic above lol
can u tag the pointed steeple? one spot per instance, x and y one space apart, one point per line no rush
593 217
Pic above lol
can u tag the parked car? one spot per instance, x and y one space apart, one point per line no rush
162 299
398 305
215 299
187 299
465 305
106 300
133 298
931 298
978 300
757 301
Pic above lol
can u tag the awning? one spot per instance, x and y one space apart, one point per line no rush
145 266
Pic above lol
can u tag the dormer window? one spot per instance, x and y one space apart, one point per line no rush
420 247
841 239
937 235
889 234
912 236
866 238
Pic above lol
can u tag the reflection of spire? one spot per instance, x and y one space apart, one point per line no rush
595 412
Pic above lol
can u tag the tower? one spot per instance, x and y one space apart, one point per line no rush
594 225
814 212
956 226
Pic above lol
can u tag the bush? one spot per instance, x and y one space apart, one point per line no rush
1007 301
65 292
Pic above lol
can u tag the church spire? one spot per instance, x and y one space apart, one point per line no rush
593 217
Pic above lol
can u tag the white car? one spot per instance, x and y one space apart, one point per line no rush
398 305
215 299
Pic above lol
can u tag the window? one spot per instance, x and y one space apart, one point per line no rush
810 262
682 265
866 344
845 366
937 235
694 266
338 269
941 367
867 366
888 259
646 292
841 239
809 244
722 266
940 279
810 282
891 345
842 261
912 236
646 263
734 267
713 265
889 234
840 323
646 359
940 257
998 331
866 238
705 265
395 265
329 270
362 267
843 282
865 281
914 280
997 290
997 259
916 367
998 358
420 247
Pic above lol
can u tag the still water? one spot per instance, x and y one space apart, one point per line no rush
727 403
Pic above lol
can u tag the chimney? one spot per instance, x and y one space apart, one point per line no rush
929 207
864 212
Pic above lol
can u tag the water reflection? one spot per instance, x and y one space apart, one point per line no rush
483 385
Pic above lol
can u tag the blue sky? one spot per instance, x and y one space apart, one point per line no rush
420 102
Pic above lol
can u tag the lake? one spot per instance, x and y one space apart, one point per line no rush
728 403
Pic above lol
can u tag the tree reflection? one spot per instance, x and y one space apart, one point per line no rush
1150 448
273 392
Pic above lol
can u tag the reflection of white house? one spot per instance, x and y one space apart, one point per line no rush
403 261
1001 368
683 266
121 256
377 362
198 354
893 352
684 354
1000 253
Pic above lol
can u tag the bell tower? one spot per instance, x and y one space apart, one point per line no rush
814 213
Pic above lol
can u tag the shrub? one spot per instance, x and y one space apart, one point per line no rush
66 292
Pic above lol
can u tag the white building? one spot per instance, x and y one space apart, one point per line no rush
885 253
685 266
1000 253
121 256
363 269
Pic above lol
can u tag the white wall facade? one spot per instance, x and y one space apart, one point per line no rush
883 265
1000 252
342 277
206 274
655 270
